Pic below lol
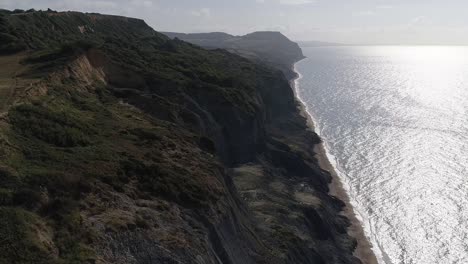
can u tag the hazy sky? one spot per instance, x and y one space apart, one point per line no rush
345 21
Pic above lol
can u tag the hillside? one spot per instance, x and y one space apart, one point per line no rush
120 145
267 47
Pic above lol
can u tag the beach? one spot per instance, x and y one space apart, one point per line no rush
363 250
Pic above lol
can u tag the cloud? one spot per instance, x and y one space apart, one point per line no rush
296 2
280 28
202 12
144 3
103 6
287 2
417 20
85 5
384 7
364 13
62 5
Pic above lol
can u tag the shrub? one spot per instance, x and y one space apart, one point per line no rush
58 128
27 198
19 241
18 11
169 182
60 55
8 42
6 197
77 47
7 178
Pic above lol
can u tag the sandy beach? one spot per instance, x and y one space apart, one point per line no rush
364 248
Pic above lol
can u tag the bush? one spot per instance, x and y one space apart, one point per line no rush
27 198
8 42
4 12
77 47
18 11
6 197
19 241
168 182
7 178
58 128
60 55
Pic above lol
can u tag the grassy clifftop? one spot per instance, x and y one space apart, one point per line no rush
45 29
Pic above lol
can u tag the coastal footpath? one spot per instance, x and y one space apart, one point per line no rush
120 145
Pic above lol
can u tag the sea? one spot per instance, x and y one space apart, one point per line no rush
394 123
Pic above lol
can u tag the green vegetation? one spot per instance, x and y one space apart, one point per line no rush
9 43
133 45
78 141
70 144
10 65
58 128
19 240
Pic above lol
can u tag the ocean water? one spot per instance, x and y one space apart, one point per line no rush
395 123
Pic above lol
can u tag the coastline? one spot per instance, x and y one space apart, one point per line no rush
364 247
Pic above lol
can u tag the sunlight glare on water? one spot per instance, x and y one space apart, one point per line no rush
395 121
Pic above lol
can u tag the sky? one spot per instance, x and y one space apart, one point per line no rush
401 22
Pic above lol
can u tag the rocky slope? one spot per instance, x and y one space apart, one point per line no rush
119 145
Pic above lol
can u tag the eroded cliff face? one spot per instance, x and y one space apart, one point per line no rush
133 148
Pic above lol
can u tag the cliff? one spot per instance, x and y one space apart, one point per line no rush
119 145
267 47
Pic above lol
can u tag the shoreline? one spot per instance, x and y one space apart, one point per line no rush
364 249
